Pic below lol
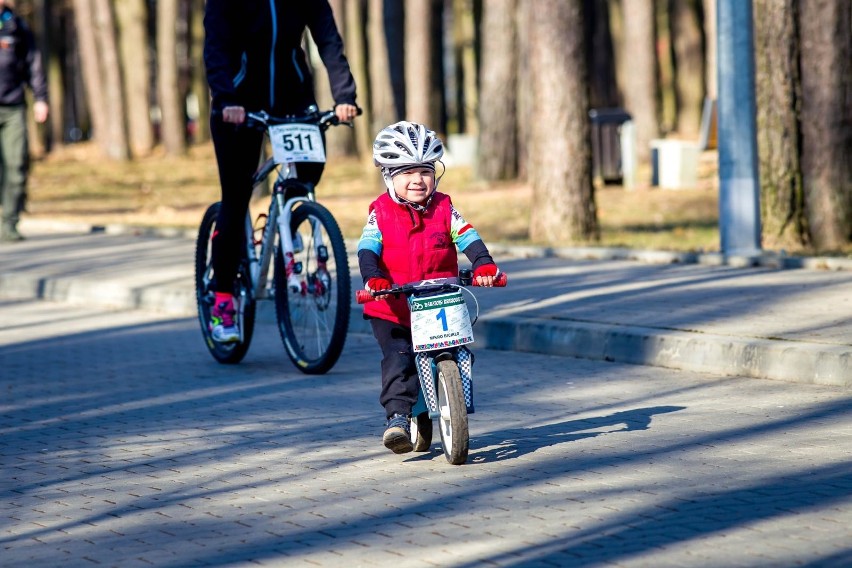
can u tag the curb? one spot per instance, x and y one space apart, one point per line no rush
799 362
767 259
791 361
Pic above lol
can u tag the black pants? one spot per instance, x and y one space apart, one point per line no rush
237 155
400 384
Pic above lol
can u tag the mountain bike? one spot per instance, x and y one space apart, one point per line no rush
294 254
441 327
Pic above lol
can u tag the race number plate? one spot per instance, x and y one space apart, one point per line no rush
296 143
438 322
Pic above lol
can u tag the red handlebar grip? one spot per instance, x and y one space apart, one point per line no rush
363 296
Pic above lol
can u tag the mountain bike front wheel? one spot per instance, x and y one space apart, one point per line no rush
453 421
313 308
228 353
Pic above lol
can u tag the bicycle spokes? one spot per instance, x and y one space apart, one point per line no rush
313 316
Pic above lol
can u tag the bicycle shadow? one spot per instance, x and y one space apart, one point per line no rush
511 444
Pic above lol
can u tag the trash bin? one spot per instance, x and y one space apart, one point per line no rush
606 143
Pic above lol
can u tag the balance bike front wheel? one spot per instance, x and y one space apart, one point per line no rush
453 420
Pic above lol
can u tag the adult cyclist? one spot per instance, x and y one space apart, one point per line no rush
254 59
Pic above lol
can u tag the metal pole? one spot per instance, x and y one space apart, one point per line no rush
739 190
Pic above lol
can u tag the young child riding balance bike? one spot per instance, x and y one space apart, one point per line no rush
411 234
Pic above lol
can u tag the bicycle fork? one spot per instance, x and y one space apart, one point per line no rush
278 219
427 371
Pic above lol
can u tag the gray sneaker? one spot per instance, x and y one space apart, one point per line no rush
397 437
9 234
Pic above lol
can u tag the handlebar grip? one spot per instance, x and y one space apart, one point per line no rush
363 296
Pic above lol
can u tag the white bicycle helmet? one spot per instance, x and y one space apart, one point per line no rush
402 146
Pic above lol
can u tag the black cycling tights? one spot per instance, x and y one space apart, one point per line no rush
237 155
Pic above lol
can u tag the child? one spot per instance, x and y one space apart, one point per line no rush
411 234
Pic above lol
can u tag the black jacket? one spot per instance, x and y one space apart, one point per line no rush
254 57
20 62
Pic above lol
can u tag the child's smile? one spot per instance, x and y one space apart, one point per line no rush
415 185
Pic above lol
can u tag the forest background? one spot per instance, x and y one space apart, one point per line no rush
127 139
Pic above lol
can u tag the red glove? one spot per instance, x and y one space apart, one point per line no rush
376 284
485 270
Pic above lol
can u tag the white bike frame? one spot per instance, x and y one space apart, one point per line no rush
278 218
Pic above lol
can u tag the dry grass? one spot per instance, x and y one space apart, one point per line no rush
75 184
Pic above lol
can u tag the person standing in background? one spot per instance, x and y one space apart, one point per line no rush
20 66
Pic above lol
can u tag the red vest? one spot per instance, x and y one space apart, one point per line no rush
415 246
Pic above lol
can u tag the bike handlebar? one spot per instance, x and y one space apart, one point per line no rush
262 120
436 285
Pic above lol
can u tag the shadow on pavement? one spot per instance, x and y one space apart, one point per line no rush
510 444
130 409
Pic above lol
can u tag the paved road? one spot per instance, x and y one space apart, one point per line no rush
792 325
123 444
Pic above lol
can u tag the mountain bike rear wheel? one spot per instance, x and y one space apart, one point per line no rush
228 353
453 421
313 317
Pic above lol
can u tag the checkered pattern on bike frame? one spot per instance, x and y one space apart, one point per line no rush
427 374
465 360
427 382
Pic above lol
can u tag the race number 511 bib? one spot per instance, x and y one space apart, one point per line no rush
439 322
296 143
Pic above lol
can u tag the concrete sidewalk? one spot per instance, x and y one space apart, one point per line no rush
678 311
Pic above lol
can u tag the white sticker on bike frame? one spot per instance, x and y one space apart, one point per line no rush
438 322
296 143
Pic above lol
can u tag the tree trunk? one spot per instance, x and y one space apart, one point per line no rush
418 62
198 86
84 21
826 66
99 62
664 62
356 53
57 44
782 197
640 78
563 209
526 107
339 141
381 90
172 124
132 19
465 55
616 31
688 49
498 154
394 23
39 139
600 56
111 72
438 100
710 47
